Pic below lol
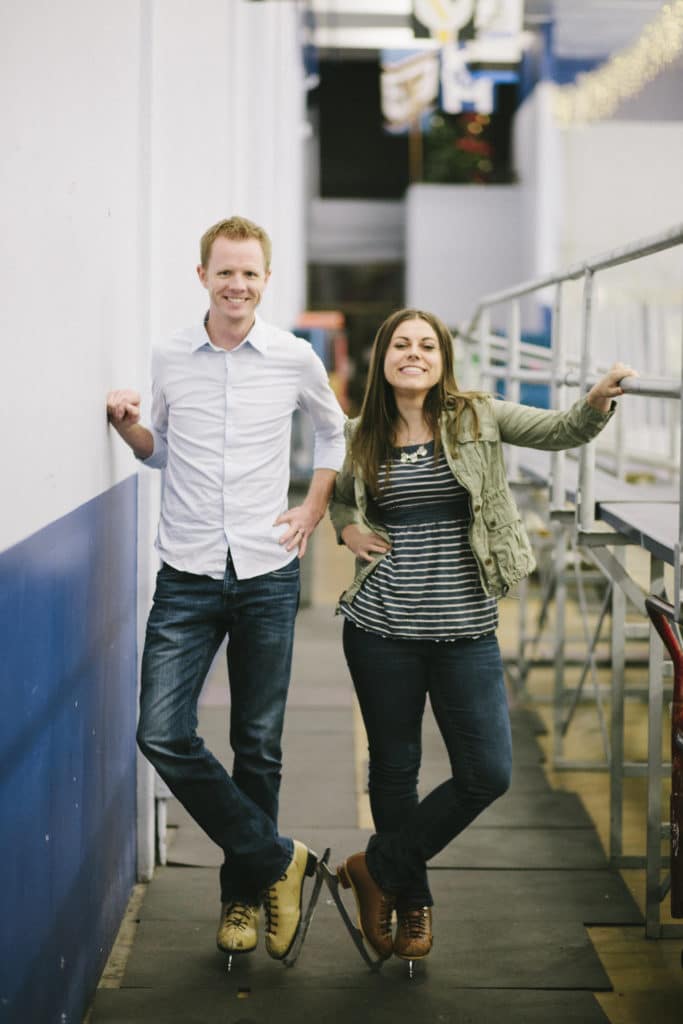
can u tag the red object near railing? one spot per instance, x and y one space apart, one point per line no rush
663 618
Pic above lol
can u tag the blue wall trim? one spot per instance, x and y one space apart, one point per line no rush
68 669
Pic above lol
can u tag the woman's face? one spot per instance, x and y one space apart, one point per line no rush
413 363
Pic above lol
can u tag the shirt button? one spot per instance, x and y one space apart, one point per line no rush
477 508
489 561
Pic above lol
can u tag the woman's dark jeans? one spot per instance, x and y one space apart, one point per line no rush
464 680
190 617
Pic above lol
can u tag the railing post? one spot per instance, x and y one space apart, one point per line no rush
587 459
512 385
556 394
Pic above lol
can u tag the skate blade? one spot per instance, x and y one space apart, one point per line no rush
332 881
312 869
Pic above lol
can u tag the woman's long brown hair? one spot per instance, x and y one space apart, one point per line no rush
375 434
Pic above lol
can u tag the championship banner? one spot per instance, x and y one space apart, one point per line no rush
409 87
461 90
480 47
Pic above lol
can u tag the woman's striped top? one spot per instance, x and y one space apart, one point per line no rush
427 586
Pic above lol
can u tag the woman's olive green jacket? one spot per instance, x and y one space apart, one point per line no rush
497 536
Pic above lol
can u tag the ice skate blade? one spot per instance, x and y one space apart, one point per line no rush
332 881
313 868
235 955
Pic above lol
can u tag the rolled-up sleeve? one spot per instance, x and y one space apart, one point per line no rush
159 420
548 429
318 400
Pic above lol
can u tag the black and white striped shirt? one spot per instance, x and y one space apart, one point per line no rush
427 587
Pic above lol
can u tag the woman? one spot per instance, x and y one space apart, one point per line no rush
423 503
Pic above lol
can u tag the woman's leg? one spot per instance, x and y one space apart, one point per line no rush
467 694
390 680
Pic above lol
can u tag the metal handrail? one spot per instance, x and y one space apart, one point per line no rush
613 258
478 331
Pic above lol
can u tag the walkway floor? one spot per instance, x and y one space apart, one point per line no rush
513 895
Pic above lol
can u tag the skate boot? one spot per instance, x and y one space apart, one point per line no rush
413 939
282 902
237 928
374 905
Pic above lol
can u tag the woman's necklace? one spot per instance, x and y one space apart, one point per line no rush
418 453
419 444
414 456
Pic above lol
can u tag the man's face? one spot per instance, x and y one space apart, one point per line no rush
235 277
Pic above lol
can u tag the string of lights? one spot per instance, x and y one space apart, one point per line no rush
596 94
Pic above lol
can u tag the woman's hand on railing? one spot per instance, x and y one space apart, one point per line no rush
608 387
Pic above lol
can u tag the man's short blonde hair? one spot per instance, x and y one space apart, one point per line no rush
238 228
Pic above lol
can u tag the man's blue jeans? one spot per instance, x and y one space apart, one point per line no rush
188 621
464 680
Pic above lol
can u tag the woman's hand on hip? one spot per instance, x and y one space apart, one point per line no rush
364 545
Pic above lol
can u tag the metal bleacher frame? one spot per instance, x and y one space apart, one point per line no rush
593 514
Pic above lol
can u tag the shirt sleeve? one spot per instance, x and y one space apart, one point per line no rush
318 400
547 429
343 508
159 419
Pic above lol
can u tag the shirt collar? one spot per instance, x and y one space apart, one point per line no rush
257 337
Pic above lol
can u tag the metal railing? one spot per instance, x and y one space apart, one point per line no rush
515 362
508 357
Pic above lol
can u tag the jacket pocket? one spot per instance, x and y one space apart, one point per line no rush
510 555
498 511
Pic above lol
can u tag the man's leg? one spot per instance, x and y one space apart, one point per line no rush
185 628
262 611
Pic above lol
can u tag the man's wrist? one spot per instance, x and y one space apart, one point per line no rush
315 508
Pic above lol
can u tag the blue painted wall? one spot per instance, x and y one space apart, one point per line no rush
68 668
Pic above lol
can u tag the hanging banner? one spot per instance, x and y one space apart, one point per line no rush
409 87
498 17
481 40
497 34
461 90
447 20
479 47
444 18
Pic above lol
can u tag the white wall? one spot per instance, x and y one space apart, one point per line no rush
589 188
228 138
128 128
72 317
622 182
462 241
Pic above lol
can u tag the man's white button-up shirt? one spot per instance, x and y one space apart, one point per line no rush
221 423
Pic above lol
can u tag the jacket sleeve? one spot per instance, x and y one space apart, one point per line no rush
551 431
343 508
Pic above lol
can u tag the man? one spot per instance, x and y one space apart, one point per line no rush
223 394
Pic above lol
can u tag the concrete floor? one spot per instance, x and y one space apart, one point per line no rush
530 923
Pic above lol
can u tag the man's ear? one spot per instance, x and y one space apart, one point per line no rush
201 274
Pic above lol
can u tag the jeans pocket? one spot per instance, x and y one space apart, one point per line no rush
287 572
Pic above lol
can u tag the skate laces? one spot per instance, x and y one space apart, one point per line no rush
238 915
386 909
414 922
270 904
